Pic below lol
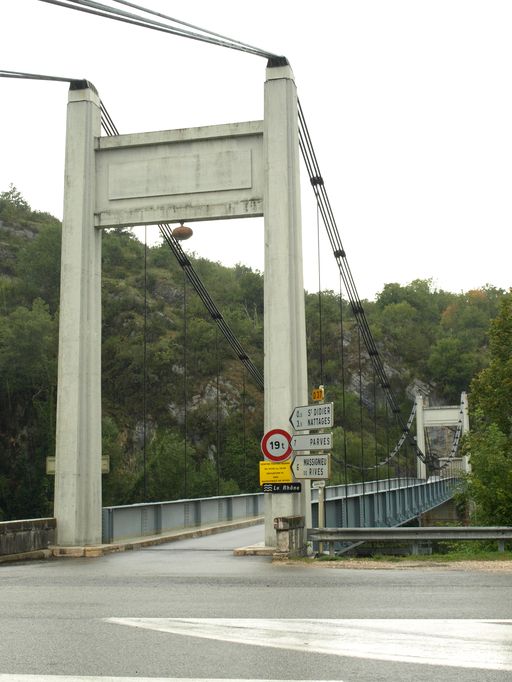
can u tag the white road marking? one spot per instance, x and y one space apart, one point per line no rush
482 644
88 678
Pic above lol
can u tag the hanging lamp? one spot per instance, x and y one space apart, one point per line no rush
182 232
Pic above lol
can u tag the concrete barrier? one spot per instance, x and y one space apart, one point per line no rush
28 538
289 537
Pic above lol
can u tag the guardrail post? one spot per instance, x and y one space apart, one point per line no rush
158 519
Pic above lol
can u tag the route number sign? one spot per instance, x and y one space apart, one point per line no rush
318 393
276 445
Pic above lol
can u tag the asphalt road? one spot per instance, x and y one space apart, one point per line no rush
192 610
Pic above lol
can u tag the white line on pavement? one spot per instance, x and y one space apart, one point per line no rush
91 678
461 643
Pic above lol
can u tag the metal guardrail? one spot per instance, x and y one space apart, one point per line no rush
156 518
412 535
383 503
386 502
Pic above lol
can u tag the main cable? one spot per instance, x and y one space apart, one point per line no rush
36 76
317 182
105 11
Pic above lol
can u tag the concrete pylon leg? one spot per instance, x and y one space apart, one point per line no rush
420 436
77 505
284 320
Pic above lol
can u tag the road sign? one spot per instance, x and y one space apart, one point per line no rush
275 445
105 465
318 484
318 393
275 472
312 441
294 487
309 417
312 466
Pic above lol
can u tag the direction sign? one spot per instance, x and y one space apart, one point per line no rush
312 466
312 441
275 445
275 472
294 487
309 417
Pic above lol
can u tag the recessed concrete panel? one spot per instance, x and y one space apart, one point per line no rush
202 173
442 416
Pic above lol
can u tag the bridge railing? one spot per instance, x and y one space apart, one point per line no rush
156 518
388 502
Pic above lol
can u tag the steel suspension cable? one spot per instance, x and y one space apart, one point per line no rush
343 401
217 407
110 128
184 23
320 329
215 313
36 76
145 366
362 469
108 12
185 384
318 185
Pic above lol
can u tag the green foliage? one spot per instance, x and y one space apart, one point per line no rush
12 205
451 367
489 487
491 390
184 375
28 378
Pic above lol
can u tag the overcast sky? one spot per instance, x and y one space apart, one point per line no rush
408 103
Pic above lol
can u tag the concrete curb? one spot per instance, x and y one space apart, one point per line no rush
255 550
26 556
91 551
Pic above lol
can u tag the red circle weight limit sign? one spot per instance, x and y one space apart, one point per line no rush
276 445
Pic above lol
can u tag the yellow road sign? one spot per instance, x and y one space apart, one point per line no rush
318 393
275 472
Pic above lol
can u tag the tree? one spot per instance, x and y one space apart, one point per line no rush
491 390
490 483
490 442
451 367
28 379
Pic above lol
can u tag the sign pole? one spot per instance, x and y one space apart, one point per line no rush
321 514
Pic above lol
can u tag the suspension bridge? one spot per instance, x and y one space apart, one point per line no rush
240 169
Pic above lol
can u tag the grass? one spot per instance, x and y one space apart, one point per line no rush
447 551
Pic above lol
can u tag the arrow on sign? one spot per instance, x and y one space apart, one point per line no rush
312 466
312 441
308 417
